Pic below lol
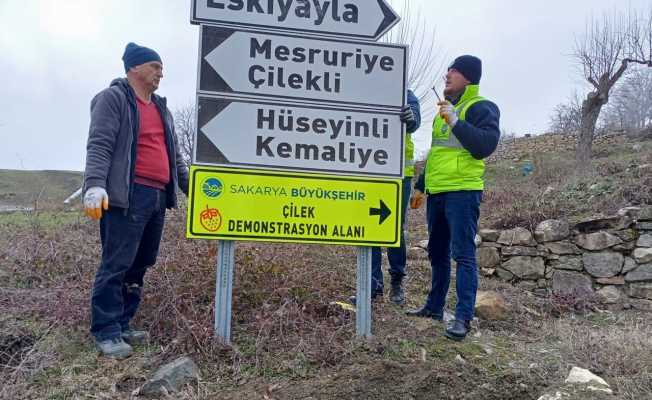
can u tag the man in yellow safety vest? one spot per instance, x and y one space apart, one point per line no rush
465 131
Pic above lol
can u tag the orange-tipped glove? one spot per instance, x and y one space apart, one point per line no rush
95 200
447 112
417 199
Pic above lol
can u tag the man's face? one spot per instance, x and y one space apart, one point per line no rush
455 82
149 74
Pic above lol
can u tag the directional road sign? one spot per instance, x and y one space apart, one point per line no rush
232 204
359 19
255 133
246 63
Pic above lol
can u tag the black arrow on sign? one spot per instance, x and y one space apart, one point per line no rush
383 211
391 18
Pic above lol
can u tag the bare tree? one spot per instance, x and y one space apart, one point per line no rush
566 118
630 108
426 63
185 127
608 47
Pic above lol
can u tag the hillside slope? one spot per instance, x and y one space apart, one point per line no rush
48 188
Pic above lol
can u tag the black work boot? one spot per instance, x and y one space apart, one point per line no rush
457 330
424 312
397 295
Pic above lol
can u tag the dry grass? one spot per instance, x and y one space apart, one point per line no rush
556 190
289 340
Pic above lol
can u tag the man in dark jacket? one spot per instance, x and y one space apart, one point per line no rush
397 256
133 168
465 131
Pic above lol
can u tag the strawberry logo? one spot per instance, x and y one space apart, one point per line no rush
210 219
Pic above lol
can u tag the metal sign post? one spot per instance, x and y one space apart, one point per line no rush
224 289
363 293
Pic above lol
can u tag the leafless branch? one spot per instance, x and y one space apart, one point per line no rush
426 59
185 127
630 107
602 48
610 44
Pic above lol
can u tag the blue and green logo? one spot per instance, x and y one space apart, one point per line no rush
212 187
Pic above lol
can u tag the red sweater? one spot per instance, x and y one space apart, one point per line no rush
152 165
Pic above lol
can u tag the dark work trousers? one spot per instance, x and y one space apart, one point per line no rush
396 256
452 224
130 245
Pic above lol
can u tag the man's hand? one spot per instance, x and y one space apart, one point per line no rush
407 116
416 201
447 112
95 200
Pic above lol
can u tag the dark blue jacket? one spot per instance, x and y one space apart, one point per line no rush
479 132
413 102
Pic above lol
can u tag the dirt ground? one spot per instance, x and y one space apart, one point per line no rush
289 340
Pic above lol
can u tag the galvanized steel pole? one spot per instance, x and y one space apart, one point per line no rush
224 290
363 293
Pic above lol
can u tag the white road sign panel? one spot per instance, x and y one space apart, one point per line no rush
358 19
264 134
294 68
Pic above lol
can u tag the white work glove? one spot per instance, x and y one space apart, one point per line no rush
95 200
407 116
447 112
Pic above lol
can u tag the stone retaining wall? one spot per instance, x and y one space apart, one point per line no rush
610 257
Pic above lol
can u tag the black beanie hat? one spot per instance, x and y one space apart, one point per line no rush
135 55
470 67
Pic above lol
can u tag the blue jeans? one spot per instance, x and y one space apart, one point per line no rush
130 244
452 225
397 256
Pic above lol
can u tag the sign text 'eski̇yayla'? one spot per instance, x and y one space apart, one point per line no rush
356 19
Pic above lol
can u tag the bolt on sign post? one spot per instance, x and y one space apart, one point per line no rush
298 132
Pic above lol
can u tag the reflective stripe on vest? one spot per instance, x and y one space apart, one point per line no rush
450 167
446 138
408 169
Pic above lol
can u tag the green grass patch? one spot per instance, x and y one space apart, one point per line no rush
30 188
41 219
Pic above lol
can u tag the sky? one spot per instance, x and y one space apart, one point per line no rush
55 55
